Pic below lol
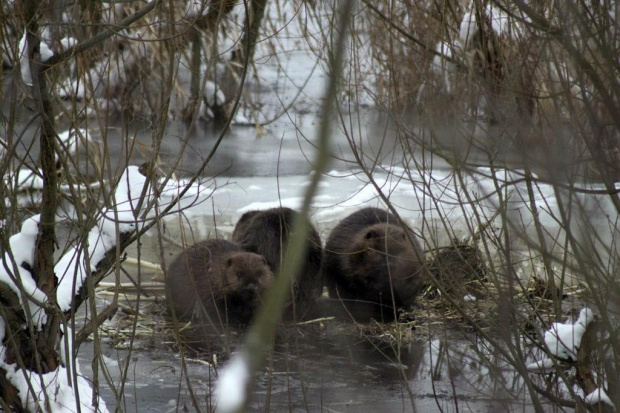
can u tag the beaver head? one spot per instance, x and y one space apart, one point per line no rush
245 277
384 261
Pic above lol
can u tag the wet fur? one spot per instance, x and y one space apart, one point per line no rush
228 281
368 257
266 232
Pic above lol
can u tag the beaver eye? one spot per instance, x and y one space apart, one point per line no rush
229 262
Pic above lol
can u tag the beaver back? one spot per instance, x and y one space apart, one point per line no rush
267 233
368 256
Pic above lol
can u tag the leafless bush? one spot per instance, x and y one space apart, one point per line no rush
504 115
502 135
78 70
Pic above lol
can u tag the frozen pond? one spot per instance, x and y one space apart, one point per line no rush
333 364
327 368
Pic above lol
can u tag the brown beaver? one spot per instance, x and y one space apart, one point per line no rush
266 232
368 257
228 281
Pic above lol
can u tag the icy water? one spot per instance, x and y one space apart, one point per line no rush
329 368
328 365
331 365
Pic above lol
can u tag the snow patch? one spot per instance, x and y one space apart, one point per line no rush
44 52
293 203
22 247
73 267
468 26
231 388
55 387
195 195
66 349
71 139
501 23
24 179
541 366
441 65
196 8
213 94
599 395
68 42
564 339
2 334
24 61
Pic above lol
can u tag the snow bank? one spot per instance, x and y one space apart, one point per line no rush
62 394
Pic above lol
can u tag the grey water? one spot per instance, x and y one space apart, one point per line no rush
330 365
325 366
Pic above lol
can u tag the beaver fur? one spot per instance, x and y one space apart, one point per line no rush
368 257
228 281
267 233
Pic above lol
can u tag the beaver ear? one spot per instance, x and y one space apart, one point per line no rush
264 260
373 233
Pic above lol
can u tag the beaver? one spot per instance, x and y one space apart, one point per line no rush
368 257
228 281
266 232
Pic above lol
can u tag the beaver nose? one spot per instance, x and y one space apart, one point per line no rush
252 287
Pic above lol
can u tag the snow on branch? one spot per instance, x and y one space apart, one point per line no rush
599 395
60 392
131 197
129 203
24 60
22 283
35 389
73 268
563 341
